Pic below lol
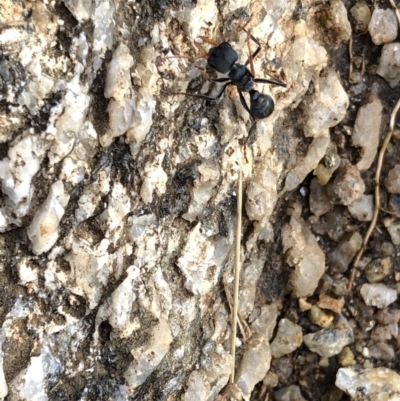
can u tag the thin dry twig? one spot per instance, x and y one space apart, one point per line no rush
377 202
243 326
237 273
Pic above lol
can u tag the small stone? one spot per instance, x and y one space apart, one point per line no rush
290 393
271 380
382 351
197 389
329 163
362 208
341 257
346 357
288 338
381 333
383 26
305 255
149 356
378 295
266 321
392 181
394 204
377 269
393 228
304 305
333 304
362 15
389 64
329 342
369 383
255 364
43 231
347 186
388 316
318 317
319 199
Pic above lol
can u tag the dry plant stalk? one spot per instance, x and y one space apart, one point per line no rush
377 194
237 273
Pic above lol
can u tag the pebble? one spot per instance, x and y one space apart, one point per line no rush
347 185
333 304
266 321
383 26
290 393
389 64
382 351
381 333
378 295
346 357
377 269
255 364
393 228
340 258
368 383
320 318
362 15
288 338
388 316
329 163
392 181
362 208
319 199
329 342
304 255
394 204
367 131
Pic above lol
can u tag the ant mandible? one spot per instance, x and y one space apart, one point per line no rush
223 58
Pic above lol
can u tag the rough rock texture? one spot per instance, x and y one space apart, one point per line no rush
119 195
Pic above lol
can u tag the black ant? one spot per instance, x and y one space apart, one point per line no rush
222 58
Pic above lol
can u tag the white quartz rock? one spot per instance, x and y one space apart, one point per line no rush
17 171
288 338
208 176
89 269
370 383
304 255
120 92
367 131
201 260
43 231
145 106
255 364
389 64
80 9
383 26
362 208
68 124
378 295
150 355
104 23
118 207
197 387
327 106
154 179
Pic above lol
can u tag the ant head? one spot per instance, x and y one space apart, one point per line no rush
221 58
261 105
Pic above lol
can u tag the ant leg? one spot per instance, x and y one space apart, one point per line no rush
250 59
208 40
270 81
244 104
220 79
200 48
204 97
252 128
